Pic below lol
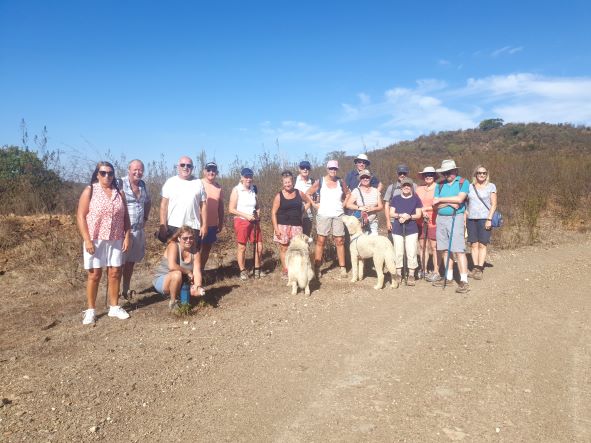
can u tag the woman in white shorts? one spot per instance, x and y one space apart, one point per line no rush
333 193
103 222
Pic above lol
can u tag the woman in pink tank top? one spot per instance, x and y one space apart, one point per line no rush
104 225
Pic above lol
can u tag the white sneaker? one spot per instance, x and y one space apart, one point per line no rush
119 312
89 317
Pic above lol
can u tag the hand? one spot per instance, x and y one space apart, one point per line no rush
89 246
277 233
436 201
389 226
190 275
126 244
488 225
202 233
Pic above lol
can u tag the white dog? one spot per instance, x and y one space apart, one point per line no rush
299 268
370 246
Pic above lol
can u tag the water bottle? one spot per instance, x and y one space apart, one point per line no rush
185 294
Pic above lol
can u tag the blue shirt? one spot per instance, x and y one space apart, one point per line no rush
352 180
405 206
452 190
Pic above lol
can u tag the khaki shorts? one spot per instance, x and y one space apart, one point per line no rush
330 225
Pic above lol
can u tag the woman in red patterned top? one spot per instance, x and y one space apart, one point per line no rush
103 222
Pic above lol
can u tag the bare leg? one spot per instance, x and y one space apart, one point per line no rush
282 251
462 262
340 245
92 284
482 248
240 256
259 255
173 283
475 252
433 252
320 240
114 275
205 248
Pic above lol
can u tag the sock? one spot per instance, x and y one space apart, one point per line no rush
450 274
464 278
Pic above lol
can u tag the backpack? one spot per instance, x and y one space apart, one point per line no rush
343 188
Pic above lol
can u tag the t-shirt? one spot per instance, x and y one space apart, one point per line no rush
369 199
303 186
476 209
395 189
352 180
427 200
405 206
451 190
184 197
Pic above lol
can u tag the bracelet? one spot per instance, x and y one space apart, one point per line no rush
489 219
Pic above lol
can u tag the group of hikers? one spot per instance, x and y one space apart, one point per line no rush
427 223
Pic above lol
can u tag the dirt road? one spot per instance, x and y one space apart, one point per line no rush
510 361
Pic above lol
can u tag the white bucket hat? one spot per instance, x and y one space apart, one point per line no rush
447 165
428 169
362 157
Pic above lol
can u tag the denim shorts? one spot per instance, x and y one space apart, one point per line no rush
476 231
212 235
159 284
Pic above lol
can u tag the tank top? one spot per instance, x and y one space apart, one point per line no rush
331 204
247 199
163 269
290 210
106 215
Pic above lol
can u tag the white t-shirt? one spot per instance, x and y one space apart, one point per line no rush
303 186
184 197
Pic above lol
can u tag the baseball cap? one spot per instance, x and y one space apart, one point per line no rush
305 164
407 181
246 172
211 165
402 169
332 164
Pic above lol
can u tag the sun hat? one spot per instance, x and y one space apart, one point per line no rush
332 164
447 165
365 173
246 172
407 181
211 165
362 157
305 164
428 169
402 168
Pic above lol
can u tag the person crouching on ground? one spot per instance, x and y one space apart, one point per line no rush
103 222
181 263
482 204
138 208
449 201
333 193
287 215
245 209
215 210
405 210
366 199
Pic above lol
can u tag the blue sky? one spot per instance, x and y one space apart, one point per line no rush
237 78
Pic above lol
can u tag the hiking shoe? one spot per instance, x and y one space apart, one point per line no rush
343 272
119 312
317 272
477 275
439 283
173 304
244 274
284 274
128 295
472 272
433 277
463 287
89 317
257 273
410 281
420 274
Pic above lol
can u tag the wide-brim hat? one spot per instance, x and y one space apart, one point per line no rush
362 157
427 170
447 165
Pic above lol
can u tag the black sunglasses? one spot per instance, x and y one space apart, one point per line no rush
333 169
429 174
106 173
212 170
186 165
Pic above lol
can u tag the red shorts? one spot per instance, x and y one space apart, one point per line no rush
245 231
431 231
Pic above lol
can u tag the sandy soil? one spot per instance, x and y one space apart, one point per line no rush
510 361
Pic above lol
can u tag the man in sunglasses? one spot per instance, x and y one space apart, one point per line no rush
361 163
184 202
215 209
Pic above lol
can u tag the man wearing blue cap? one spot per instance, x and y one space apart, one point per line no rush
303 183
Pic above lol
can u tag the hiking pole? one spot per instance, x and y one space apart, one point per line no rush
453 222
404 261
423 258
254 246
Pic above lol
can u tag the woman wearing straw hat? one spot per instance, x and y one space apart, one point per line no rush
482 203
427 233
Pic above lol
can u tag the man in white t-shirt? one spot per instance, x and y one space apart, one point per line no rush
303 183
184 202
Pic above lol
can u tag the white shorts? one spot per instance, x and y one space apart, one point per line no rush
106 253
137 251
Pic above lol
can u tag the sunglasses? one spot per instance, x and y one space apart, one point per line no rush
212 170
362 161
106 173
186 165
482 173
402 173
365 178
187 238
333 169
429 174
304 169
